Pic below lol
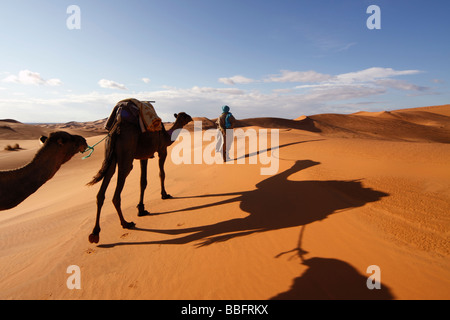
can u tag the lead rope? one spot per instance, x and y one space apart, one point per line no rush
92 148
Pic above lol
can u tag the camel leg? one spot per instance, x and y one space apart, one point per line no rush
124 168
94 237
142 212
162 175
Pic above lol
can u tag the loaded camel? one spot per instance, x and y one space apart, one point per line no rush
121 148
18 184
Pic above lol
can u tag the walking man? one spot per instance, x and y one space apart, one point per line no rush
225 125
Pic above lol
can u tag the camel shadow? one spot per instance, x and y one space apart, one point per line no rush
276 203
330 279
272 148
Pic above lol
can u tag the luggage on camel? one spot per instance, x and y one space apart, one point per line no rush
140 113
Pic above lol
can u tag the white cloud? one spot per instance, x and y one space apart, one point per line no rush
345 47
368 78
146 80
227 91
54 82
236 80
340 93
371 74
330 44
316 79
109 84
28 77
285 90
298 76
400 85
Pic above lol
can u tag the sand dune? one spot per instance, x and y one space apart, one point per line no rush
87 129
12 129
396 125
351 191
304 123
206 123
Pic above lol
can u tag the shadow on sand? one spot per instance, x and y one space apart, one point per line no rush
327 279
272 149
276 203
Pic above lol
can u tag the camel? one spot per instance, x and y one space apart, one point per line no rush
17 185
123 146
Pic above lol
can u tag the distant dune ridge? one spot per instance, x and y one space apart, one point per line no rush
422 124
352 191
417 124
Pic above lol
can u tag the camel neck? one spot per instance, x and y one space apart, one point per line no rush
42 168
16 185
175 126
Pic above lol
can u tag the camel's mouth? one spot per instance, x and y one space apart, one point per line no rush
83 145
83 148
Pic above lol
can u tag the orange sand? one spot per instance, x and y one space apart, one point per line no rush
351 191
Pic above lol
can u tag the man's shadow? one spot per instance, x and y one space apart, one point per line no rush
276 203
330 279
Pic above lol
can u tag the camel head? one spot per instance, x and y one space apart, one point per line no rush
182 119
64 145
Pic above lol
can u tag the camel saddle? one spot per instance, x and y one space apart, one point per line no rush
140 113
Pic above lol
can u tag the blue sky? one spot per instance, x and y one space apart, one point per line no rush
263 58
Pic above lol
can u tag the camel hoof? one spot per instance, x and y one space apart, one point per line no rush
129 225
94 238
144 213
166 196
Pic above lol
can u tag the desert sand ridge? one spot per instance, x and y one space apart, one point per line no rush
351 191
12 129
415 124
418 126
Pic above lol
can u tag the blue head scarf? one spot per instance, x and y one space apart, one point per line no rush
225 109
